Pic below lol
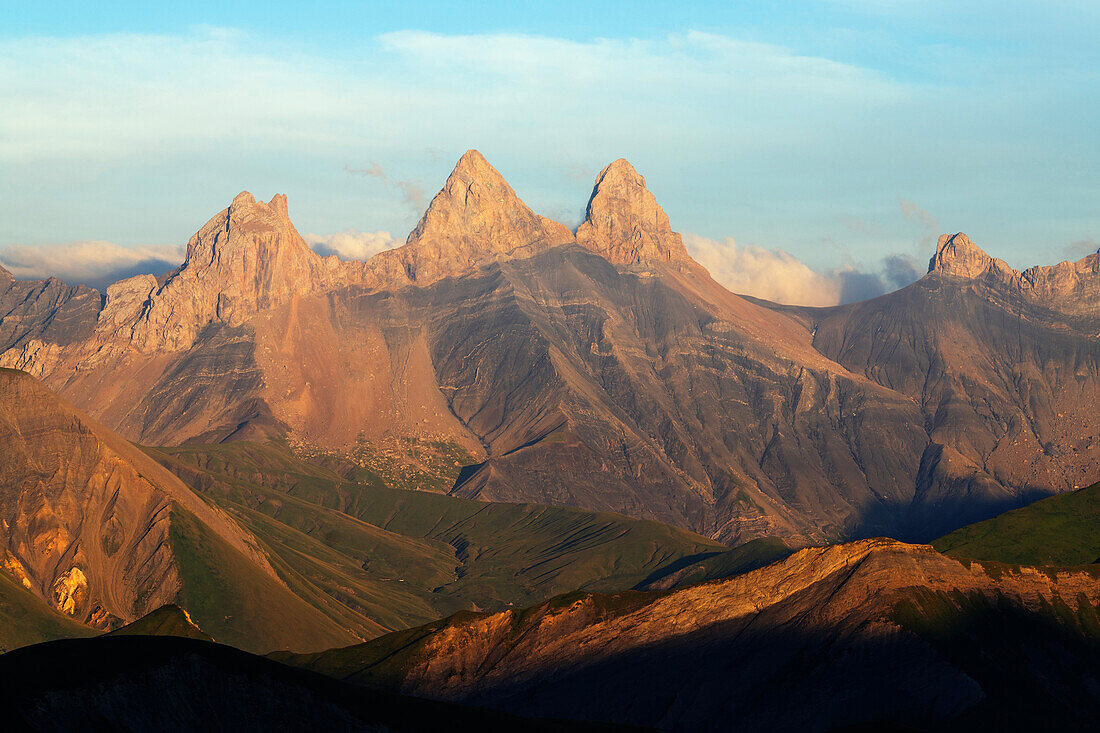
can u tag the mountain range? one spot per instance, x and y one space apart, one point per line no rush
512 469
602 369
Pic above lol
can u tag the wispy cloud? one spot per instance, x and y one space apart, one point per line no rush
97 264
735 135
351 244
780 277
412 193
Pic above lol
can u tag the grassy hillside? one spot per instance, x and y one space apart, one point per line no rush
741 559
222 586
376 559
1060 530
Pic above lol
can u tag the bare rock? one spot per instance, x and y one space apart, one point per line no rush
624 224
124 303
956 255
247 258
475 219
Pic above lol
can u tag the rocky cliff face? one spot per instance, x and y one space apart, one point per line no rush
857 633
624 223
475 219
1068 287
246 259
37 319
607 371
85 517
105 534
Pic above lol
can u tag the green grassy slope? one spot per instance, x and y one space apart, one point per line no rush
741 559
221 587
1060 530
376 559
26 619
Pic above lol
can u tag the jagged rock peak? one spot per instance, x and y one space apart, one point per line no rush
246 258
472 165
957 255
246 222
5 275
624 222
476 217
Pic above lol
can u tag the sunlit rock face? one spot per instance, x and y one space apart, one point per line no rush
246 259
606 370
84 516
625 224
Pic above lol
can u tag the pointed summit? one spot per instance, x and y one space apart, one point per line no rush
956 255
474 219
473 165
246 258
625 224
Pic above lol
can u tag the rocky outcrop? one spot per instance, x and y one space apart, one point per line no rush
105 534
476 218
1069 287
44 312
624 223
246 259
957 256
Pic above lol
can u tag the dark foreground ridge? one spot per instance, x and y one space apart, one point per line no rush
151 683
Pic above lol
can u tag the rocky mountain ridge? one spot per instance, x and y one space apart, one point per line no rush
605 370
829 637
1073 287
98 529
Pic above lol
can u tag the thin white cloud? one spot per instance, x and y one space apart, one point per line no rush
780 277
764 273
352 244
119 95
89 263
729 132
412 193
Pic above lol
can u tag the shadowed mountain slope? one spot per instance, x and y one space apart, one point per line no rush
874 632
606 371
144 683
1004 368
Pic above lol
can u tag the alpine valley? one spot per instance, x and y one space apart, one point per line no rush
514 475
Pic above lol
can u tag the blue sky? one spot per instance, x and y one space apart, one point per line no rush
818 144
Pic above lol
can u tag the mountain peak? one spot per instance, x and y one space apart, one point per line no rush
958 256
476 217
624 222
5 274
245 258
244 198
472 164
